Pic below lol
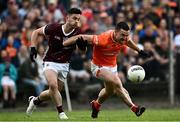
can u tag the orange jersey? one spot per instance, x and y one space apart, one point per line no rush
105 50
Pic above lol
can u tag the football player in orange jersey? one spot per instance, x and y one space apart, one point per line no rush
106 47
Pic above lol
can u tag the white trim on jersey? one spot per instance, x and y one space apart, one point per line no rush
44 29
66 34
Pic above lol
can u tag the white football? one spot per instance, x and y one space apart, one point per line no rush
136 74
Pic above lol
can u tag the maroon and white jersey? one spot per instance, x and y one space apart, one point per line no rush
56 51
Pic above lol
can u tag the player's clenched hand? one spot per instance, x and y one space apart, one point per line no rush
81 43
33 53
144 54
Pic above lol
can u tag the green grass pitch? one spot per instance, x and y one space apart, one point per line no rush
105 115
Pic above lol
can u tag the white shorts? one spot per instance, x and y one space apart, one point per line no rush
7 81
62 69
95 69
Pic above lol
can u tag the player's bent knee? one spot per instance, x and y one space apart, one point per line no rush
53 86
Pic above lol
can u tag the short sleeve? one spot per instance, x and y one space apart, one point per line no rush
95 40
49 29
100 40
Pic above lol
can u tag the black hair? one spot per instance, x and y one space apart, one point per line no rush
122 25
74 11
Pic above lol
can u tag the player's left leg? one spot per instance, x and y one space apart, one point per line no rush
121 92
53 92
44 96
35 101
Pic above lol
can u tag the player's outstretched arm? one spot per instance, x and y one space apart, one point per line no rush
34 43
81 37
133 46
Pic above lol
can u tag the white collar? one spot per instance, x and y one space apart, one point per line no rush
66 34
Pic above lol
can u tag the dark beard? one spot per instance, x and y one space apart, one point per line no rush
121 40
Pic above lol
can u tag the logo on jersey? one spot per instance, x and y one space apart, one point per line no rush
57 37
111 54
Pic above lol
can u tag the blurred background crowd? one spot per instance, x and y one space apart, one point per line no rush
150 20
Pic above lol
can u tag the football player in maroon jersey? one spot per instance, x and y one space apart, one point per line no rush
56 60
